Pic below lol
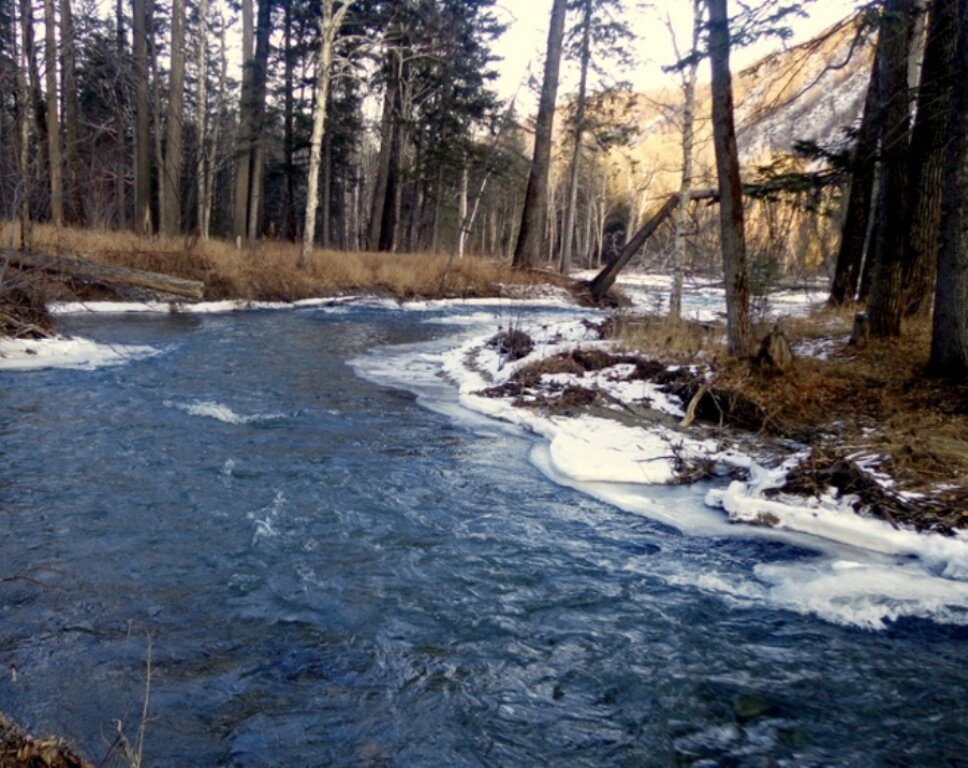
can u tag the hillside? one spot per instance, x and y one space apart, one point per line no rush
809 92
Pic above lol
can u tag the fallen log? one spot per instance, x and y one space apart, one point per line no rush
90 271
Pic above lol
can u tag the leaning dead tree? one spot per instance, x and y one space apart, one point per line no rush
606 278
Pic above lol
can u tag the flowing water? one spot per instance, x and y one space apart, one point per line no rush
333 574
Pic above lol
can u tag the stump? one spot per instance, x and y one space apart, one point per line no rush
775 353
862 331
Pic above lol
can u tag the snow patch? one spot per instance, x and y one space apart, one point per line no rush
64 352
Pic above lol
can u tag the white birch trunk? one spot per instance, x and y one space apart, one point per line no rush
329 25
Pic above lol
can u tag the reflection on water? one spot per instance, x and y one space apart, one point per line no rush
361 581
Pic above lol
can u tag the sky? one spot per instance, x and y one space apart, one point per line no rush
522 45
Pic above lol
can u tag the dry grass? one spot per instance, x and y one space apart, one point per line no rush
268 271
685 341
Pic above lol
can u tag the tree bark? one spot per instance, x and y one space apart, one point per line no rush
23 149
53 123
84 270
75 191
240 206
732 224
853 239
329 26
142 138
949 341
288 120
568 235
528 249
685 185
374 231
263 30
201 121
171 224
884 307
928 142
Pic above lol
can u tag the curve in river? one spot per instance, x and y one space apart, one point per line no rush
333 574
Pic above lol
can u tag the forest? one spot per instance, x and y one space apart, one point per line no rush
359 408
375 126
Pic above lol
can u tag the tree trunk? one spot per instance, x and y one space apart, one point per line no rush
732 226
23 153
90 271
568 235
171 225
329 25
928 141
685 185
288 121
142 137
884 307
263 30
949 341
121 196
75 192
853 239
53 123
528 249
240 207
201 121
389 214
157 117
375 232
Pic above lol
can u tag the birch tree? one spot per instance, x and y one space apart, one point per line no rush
331 20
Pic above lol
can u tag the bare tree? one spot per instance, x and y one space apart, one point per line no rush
201 121
534 214
732 225
53 123
332 19
142 138
75 194
171 186
568 236
688 139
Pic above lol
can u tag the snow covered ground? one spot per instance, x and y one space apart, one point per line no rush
703 299
63 352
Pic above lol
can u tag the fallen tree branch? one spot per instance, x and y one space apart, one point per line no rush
86 270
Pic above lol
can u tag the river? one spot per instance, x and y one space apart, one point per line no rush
332 573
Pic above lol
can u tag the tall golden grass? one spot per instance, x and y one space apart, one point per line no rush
268 270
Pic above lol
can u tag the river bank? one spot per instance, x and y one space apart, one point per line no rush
862 424
337 558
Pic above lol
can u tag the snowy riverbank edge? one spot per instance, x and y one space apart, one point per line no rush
870 573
